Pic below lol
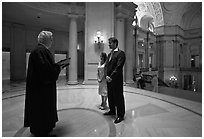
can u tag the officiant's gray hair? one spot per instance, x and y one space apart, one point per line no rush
44 37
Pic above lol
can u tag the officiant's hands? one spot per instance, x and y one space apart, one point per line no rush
63 63
61 67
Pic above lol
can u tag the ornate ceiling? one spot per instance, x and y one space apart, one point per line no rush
187 15
149 12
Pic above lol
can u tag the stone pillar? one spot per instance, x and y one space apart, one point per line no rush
168 54
160 59
129 49
200 54
136 58
188 56
176 67
18 53
157 55
72 75
147 51
120 35
176 53
120 32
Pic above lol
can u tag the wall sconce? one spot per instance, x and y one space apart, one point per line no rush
173 81
173 78
98 38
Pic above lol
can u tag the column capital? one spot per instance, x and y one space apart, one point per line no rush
73 16
121 15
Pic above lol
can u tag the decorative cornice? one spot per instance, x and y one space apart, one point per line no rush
74 16
57 8
177 26
124 10
181 33
182 37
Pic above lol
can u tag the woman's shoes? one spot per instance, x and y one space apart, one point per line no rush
102 108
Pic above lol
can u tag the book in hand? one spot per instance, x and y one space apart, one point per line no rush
63 63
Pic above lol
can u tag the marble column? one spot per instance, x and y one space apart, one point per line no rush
72 75
157 62
120 32
18 53
120 35
168 54
161 57
200 54
147 51
129 49
182 55
188 57
176 53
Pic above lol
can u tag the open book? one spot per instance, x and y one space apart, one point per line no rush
63 63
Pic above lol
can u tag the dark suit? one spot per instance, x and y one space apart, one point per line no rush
114 69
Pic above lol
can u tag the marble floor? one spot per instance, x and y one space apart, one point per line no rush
148 114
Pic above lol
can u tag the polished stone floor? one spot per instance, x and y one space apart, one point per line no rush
148 114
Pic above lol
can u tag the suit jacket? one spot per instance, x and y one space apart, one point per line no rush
114 67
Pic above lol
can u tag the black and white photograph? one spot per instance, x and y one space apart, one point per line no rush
101 69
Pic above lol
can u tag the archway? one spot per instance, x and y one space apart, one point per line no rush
150 12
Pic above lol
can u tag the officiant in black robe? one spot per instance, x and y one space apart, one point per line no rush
40 102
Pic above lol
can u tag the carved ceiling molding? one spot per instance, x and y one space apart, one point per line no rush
151 9
158 13
57 8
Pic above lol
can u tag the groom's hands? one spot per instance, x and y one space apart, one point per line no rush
108 79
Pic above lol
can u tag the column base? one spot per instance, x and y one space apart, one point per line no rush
90 82
129 81
72 82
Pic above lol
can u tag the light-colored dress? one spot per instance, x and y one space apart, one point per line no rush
102 90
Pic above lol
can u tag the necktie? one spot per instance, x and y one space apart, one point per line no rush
111 54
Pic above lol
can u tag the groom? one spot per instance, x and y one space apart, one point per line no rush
114 66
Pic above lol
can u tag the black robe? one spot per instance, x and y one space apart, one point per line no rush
40 100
